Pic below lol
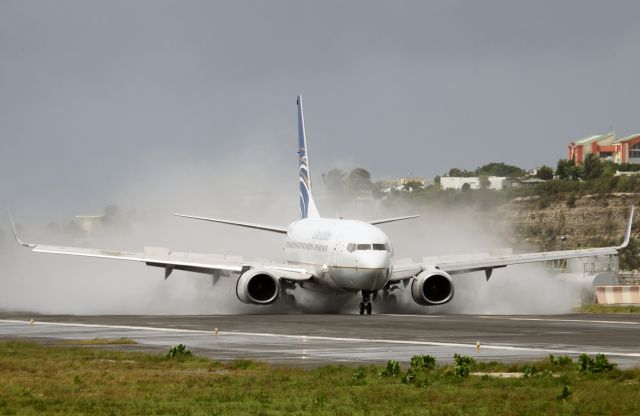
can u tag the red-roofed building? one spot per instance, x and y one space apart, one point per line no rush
628 148
606 147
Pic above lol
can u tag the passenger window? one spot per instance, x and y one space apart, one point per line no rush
380 247
364 247
351 247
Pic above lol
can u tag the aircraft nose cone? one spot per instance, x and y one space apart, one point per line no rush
375 261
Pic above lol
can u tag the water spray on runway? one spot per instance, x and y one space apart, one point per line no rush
256 193
59 284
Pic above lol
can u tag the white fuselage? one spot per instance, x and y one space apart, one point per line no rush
344 254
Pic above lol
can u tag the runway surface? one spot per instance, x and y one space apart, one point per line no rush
311 340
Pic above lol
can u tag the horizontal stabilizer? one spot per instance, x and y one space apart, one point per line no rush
385 220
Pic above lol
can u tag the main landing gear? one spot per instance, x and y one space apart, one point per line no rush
365 305
285 297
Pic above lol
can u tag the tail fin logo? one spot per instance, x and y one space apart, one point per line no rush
307 205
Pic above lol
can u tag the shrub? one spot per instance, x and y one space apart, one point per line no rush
462 365
416 376
601 364
560 360
529 371
588 365
179 351
391 370
545 172
565 393
357 375
423 361
422 381
533 371
410 376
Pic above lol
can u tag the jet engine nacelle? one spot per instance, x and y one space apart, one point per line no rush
432 287
258 287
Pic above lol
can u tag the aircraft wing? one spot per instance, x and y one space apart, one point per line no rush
192 262
486 263
211 264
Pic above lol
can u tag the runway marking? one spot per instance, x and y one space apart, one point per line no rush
305 338
562 320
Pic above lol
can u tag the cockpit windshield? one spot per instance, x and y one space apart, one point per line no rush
351 247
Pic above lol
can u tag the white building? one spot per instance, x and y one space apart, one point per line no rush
495 182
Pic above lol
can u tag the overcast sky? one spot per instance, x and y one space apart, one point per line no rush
96 95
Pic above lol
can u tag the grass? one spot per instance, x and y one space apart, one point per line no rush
598 308
100 341
40 379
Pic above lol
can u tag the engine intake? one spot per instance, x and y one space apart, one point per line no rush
258 286
432 288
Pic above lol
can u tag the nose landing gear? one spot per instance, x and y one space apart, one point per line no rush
365 305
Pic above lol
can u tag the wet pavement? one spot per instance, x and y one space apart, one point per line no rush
311 340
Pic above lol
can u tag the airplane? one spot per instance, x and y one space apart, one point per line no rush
329 255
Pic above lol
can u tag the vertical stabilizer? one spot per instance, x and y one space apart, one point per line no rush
307 205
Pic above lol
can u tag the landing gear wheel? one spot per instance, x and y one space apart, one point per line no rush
365 305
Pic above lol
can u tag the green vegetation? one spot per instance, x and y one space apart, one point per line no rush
419 370
426 362
462 365
597 308
100 341
39 379
589 365
499 169
565 394
545 172
391 370
490 169
560 361
179 351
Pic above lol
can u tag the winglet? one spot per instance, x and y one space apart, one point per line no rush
15 232
627 235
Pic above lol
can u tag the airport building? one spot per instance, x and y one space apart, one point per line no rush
607 147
